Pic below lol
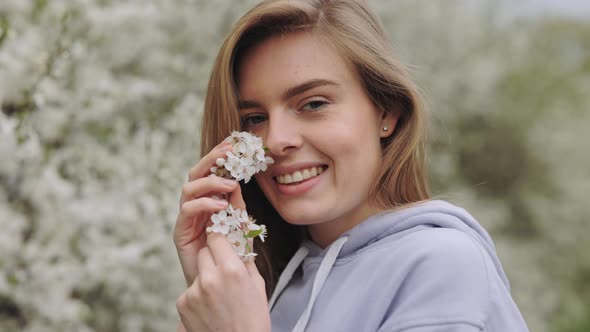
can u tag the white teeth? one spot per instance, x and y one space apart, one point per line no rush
301 175
306 174
297 176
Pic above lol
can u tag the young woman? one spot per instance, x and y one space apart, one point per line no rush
353 234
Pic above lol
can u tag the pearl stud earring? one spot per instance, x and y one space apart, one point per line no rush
385 128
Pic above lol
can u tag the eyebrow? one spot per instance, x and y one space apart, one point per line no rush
292 92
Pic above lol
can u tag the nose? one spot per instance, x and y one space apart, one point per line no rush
283 135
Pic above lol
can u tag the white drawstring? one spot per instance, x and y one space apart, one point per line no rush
318 282
287 274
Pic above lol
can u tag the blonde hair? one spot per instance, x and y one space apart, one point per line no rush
358 36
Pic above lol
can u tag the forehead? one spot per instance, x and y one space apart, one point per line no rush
286 60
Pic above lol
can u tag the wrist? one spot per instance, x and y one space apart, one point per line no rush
258 326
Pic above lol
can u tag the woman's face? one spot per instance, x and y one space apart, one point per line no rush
320 127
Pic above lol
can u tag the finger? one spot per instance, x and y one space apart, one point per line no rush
222 252
203 204
203 167
251 267
192 208
205 260
203 186
256 276
236 199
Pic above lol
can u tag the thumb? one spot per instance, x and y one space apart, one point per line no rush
236 199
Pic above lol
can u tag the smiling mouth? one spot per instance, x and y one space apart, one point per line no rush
300 175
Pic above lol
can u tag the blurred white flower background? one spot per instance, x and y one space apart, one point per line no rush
100 108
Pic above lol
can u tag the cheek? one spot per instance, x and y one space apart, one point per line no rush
357 138
356 158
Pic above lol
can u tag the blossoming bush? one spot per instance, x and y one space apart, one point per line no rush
100 106
100 114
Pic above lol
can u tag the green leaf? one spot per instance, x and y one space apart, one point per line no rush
40 5
12 280
4 27
252 234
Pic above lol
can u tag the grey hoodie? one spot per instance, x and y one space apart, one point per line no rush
426 268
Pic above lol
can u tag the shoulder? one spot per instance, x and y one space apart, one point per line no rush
444 247
442 255
445 274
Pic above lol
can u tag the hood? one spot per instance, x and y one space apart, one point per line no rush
435 213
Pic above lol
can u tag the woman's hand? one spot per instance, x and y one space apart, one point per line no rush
196 207
227 294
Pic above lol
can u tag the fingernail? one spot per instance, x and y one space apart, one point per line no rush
221 202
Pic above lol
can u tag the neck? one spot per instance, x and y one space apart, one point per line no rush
323 234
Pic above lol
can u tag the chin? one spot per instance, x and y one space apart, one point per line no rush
297 217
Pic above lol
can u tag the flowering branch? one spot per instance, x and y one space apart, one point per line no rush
239 229
246 159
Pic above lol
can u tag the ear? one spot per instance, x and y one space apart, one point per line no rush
388 123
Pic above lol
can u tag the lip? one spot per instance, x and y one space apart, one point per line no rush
288 169
301 187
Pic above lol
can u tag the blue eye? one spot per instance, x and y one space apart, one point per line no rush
252 120
314 105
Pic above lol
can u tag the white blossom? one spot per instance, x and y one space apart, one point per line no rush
239 229
246 159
